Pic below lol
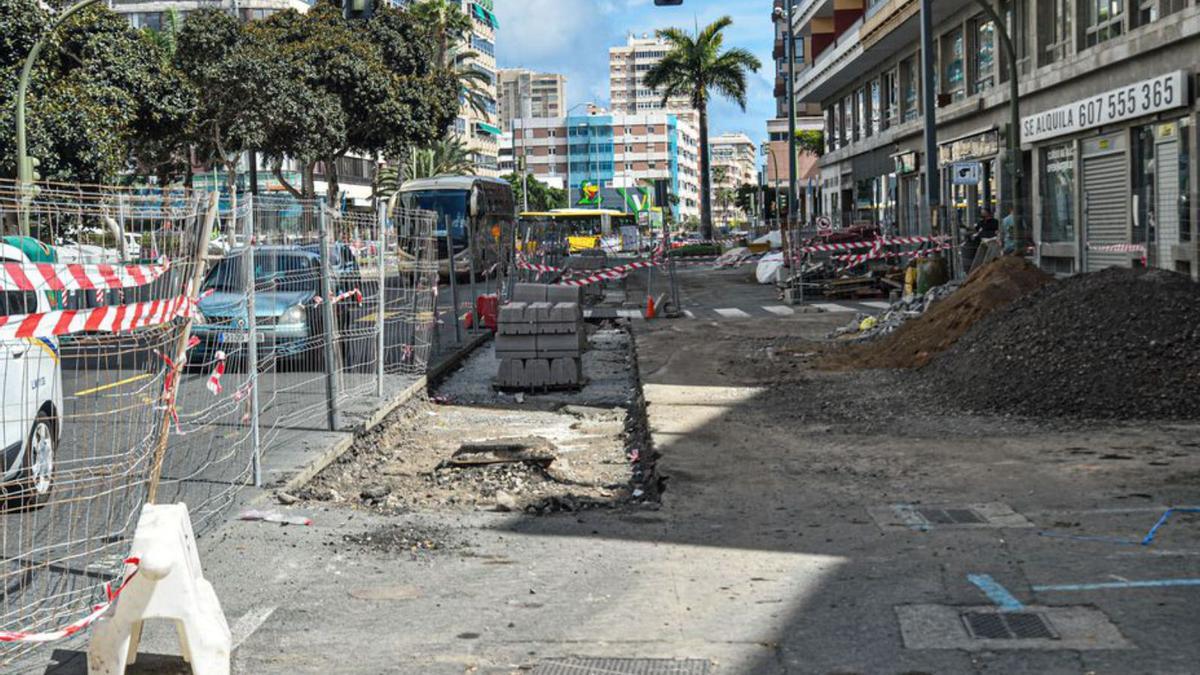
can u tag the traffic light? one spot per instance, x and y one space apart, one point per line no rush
28 177
667 3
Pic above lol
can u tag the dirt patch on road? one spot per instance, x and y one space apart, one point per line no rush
988 289
473 448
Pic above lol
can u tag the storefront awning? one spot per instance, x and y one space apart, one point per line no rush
488 128
486 16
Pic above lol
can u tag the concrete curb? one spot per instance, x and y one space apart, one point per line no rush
430 379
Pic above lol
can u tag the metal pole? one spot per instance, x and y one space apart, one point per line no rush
252 339
933 196
24 164
791 96
458 338
328 317
381 308
474 297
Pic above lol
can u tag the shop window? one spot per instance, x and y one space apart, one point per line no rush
953 66
984 55
1058 193
1144 168
1054 30
874 103
910 83
1185 174
1102 20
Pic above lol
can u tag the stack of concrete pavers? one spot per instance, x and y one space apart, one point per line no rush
541 338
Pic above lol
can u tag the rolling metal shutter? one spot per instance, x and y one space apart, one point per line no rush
1167 209
1106 217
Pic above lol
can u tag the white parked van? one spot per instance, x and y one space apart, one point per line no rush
30 422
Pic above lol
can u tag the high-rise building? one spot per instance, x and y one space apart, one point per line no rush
628 64
480 129
808 118
619 154
733 158
524 93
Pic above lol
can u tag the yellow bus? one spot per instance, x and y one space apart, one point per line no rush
578 230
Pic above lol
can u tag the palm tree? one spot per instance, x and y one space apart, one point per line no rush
451 28
694 66
447 157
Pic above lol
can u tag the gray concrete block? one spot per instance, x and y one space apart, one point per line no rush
559 327
560 343
530 292
566 372
538 312
564 294
537 373
512 373
513 312
516 346
565 311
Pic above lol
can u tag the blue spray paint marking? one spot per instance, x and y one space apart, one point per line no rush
1145 541
996 593
1152 583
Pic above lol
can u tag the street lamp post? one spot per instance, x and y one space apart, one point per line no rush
24 162
790 78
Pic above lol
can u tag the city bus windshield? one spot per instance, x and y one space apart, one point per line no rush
451 207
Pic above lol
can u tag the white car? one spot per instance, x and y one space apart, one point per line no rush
30 418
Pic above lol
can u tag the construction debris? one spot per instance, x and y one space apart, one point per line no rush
1117 344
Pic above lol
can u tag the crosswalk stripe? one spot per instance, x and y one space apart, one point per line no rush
830 307
877 304
630 314
780 310
732 313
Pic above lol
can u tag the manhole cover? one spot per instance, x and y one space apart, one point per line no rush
951 516
593 666
1008 626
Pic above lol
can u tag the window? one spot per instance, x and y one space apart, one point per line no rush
890 111
1153 10
17 303
1185 170
1058 190
846 117
985 54
874 103
1054 30
1103 20
910 83
860 113
831 129
954 80
1144 184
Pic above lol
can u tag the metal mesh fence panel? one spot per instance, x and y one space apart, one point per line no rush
94 295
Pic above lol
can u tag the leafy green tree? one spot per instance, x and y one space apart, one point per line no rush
542 197
695 66
810 141
452 30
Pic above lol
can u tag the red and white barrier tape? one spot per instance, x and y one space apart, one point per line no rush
214 380
71 629
110 319
352 293
855 245
856 260
63 277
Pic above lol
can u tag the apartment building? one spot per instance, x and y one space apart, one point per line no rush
734 164
1108 120
480 129
524 93
628 64
617 154
808 118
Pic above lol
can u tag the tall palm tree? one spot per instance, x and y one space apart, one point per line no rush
451 27
447 157
694 66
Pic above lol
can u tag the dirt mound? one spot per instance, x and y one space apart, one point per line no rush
989 288
1117 344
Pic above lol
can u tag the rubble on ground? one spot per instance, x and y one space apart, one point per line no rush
1116 344
892 318
915 342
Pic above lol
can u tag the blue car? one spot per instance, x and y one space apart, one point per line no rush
287 280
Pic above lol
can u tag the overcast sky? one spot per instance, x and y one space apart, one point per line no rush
572 37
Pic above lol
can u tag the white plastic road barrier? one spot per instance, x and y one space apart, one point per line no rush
168 585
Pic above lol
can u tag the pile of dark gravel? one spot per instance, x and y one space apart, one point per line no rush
1117 344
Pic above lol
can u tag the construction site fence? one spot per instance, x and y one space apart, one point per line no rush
156 344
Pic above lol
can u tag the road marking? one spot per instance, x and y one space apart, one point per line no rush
780 310
877 304
249 623
688 313
996 593
830 307
630 314
730 313
114 385
1152 583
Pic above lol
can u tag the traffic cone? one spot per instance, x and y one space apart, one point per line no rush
650 313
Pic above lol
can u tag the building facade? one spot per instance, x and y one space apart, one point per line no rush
614 156
808 118
734 164
627 65
1108 113
524 93
480 129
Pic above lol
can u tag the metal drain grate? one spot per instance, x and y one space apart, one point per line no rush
594 666
1008 626
951 517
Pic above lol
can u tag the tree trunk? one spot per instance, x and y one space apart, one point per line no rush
331 182
706 224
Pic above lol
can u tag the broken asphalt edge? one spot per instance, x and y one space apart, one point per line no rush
436 373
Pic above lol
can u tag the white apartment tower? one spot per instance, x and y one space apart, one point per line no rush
524 93
481 130
628 64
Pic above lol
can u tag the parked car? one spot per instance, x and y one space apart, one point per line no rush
287 280
31 373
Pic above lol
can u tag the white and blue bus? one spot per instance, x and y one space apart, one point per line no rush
478 213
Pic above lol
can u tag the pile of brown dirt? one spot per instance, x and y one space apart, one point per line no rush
989 288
